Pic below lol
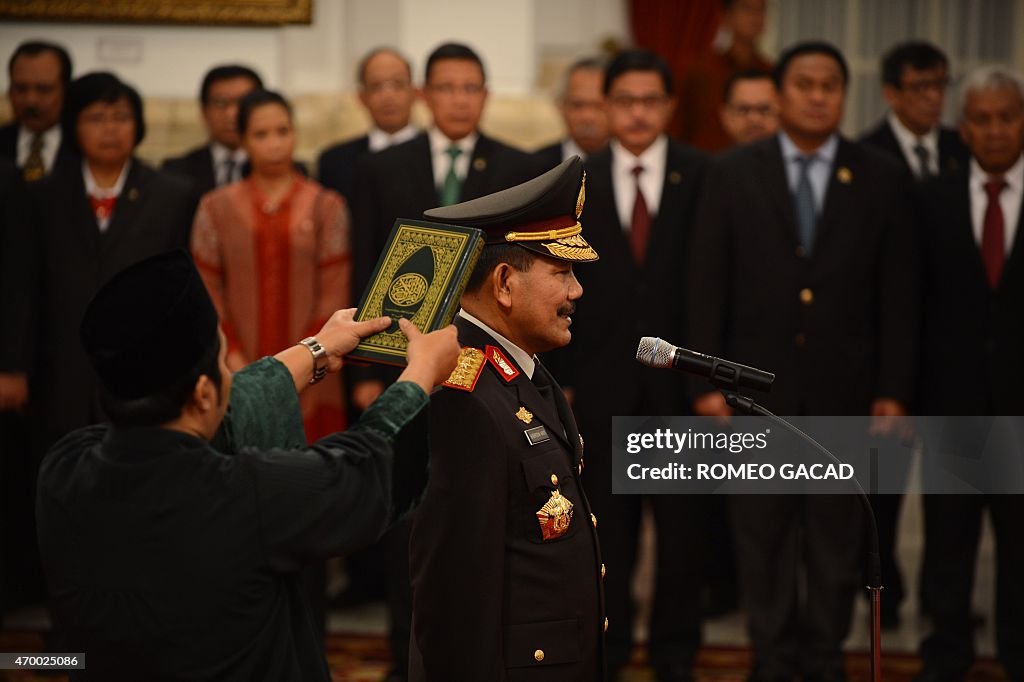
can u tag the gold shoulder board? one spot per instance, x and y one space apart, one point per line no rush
467 369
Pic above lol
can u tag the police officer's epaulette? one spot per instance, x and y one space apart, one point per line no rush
467 369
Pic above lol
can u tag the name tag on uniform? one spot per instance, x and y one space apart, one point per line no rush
537 435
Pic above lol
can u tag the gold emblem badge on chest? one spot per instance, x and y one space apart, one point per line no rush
554 517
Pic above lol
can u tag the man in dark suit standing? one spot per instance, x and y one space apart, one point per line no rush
973 248
450 163
38 73
641 199
221 160
803 263
915 76
505 527
387 92
581 104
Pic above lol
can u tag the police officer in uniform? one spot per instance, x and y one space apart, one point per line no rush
505 564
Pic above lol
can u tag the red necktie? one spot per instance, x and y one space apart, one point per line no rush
640 225
993 233
102 208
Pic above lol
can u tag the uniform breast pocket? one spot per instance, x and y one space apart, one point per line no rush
551 492
531 649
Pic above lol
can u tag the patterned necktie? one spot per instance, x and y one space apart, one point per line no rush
229 171
102 209
924 161
452 187
993 233
34 168
640 224
806 211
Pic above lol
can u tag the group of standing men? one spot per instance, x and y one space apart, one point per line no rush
869 266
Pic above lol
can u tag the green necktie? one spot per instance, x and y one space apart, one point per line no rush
452 186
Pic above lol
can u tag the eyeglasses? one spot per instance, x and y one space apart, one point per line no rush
100 118
744 110
224 102
449 89
648 102
922 86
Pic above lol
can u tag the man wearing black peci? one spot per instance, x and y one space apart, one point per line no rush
172 537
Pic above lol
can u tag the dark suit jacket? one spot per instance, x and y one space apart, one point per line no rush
550 156
65 259
9 146
481 570
971 360
336 165
623 302
398 182
838 327
197 167
953 154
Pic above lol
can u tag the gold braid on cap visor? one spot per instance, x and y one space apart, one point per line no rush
564 242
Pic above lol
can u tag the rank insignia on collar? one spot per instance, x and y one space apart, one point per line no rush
467 369
524 415
554 516
506 370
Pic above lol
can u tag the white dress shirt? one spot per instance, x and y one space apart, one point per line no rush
909 140
1009 200
525 361
51 143
94 190
221 155
379 140
439 144
570 148
653 159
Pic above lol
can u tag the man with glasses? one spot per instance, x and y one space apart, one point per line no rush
582 107
750 111
915 76
221 160
642 193
449 163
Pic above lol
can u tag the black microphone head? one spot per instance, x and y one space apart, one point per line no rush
655 352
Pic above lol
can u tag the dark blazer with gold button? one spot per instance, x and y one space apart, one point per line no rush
838 326
492 599
62 259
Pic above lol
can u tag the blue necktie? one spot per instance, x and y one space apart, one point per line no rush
806 211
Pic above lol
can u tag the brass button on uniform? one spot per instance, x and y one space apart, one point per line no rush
806 296
538 655
606 625
554 479
800 340
593 520
602 570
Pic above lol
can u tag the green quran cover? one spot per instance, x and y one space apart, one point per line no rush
420 275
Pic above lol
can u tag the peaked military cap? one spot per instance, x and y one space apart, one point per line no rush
152 323
541 215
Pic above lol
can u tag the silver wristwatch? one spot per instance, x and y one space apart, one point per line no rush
319 358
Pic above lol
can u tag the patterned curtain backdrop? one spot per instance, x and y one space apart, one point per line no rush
970 32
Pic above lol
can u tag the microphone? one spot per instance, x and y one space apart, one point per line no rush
661 354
